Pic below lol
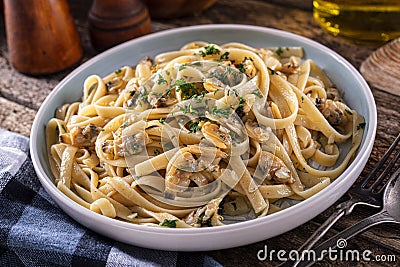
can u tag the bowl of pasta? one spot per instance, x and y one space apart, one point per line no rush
223 134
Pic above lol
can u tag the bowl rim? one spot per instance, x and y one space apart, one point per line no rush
358 162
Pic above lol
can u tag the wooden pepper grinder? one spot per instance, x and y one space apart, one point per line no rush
41 35
112 22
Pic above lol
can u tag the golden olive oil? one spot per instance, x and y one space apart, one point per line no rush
366 20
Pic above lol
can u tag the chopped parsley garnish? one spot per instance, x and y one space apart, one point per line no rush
193 126
227 75
143 94
188 90
209 50
161 120
131 93
169 223
180 82
239 109
241 68
188 109
182 67
224 56
196 63
161 80
231 91
221 112
361 126
118 71
234 136
199 98
279 51
157 152
157 95
257 93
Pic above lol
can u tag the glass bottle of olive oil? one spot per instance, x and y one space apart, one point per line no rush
366 20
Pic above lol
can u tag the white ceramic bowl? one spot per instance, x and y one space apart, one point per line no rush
344 75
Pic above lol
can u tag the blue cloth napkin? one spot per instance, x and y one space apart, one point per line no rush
34 231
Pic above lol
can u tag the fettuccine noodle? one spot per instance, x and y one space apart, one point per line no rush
202 134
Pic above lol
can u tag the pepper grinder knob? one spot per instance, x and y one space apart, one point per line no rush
112 22
41 35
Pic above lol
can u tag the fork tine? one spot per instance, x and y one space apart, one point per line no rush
386 172
381 163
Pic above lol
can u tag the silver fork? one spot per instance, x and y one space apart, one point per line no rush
361 194
390 213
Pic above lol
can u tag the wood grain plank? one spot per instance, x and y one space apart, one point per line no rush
247 255
273 15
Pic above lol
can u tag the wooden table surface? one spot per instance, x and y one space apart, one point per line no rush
21 96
